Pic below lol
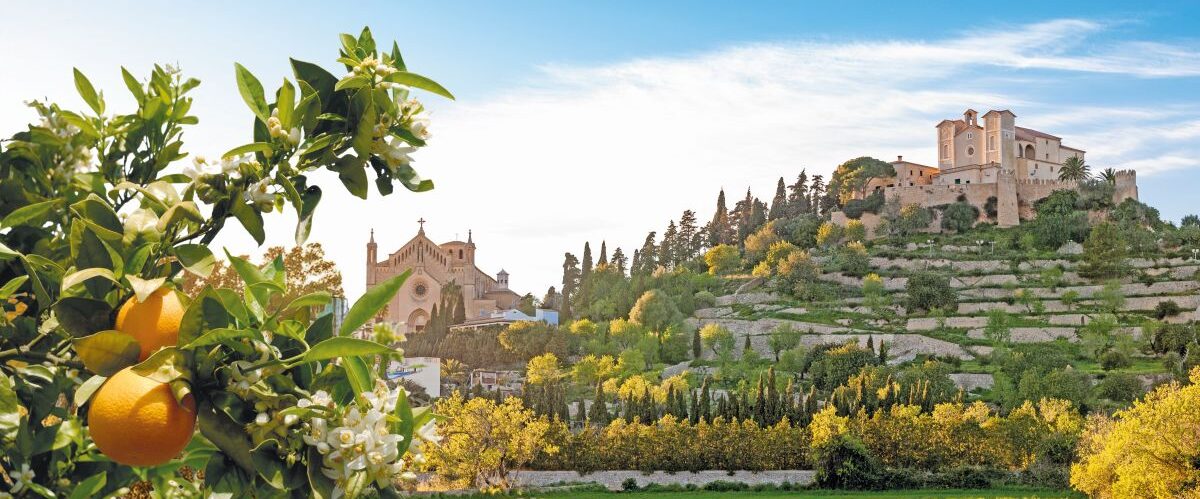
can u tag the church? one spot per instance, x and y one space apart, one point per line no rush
433 267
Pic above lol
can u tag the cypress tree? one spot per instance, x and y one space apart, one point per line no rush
746 346
883 353
694 413
760 404
705 401
773 403
871 343
779 206
603 260
697 349
720 231
599 415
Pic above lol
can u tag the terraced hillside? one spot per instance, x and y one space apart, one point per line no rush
1031 301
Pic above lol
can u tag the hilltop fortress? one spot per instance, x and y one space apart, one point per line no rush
998 167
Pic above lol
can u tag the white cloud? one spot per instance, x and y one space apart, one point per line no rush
613 151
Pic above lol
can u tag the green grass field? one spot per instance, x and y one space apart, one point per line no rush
894 494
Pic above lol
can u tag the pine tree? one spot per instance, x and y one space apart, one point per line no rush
816 194
688 244
741 218
779 207
646 256
720 229
798 197
570 285
758 216
619 261
636 265
603 260
666 250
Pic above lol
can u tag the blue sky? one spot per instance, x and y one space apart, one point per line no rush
572 117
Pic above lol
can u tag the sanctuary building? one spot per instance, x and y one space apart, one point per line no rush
1000 168
435 266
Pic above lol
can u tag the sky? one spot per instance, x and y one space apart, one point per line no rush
602 121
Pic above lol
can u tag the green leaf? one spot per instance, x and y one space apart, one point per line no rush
134 86
253 147
88 92
266 461
100 216
178 212
317 77
216 336
314 299
36 213
252 91
285 103
359 376
79 276
88 388
7 253
353 174
309 200
417 81
11 287
251 219
321 485
83 316
207 312
226 434
10 414
352 82
371 303
403 412
165 366
195 258
344 346
143 288
107 352
90 487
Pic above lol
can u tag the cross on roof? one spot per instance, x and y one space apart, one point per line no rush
422 222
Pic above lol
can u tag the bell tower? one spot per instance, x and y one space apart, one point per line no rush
372 252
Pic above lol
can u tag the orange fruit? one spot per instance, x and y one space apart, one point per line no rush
136 421
153 323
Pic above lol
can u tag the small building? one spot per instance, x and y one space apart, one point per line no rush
506 317
425 372
507 382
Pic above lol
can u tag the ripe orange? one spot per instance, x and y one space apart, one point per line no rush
136 421
153 323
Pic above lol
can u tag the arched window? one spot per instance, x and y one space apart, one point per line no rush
460 253
945 151
1029 152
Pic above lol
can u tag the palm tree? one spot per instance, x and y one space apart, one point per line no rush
1109 176
1074 170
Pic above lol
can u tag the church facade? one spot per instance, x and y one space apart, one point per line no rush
435 266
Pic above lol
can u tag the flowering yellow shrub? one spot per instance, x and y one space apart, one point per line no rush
1149 450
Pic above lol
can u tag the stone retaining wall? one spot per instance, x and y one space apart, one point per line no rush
613 480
